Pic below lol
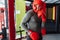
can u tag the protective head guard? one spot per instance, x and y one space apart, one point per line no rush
37 5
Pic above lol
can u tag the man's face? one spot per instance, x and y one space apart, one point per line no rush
37 7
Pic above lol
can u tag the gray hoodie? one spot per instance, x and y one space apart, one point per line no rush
31 22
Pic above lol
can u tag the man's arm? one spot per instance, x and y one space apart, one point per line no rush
25 20
43 25
44 14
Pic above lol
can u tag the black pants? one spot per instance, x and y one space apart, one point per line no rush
28 37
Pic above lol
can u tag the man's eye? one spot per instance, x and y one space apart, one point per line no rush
35 5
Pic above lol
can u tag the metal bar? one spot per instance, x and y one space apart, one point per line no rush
6 13
11 20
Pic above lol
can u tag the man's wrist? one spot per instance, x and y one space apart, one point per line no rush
29 32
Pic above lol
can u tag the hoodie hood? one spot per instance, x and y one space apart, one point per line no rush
38 2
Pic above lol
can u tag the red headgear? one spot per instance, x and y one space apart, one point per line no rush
36 2
39 2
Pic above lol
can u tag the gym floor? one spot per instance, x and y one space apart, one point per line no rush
51 37
48 37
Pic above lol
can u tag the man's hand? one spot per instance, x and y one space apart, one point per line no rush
34 35
43 31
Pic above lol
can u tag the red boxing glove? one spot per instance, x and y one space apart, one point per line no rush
43 31
34 36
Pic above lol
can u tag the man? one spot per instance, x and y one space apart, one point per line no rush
34 20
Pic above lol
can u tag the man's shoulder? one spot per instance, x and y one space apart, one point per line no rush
31 10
